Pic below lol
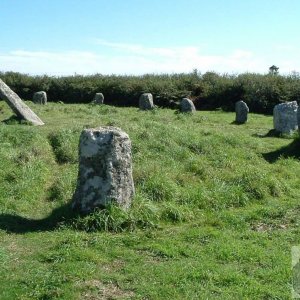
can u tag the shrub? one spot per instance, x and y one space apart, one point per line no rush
209 91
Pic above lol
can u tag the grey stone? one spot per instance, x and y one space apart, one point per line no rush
187 105
17 105
146 101
99 98
105 169
241 112
298 117
285 117
40 97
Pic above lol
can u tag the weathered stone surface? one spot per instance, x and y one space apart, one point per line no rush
40 97
17 105
241 112
187 105
146 101
285 117
105 169
298 117
99 98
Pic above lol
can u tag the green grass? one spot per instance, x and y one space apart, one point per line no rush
215 215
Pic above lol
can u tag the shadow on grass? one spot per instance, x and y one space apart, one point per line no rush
15 120
270 133
237 123
17 224
292 150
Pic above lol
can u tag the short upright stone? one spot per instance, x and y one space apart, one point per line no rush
187 106
146 102
40 97
285 117
241 112
98 99
105 169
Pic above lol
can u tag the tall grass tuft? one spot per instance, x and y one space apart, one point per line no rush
65 145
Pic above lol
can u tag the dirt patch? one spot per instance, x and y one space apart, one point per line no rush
116 265
263 227
289 220
96 289
152 257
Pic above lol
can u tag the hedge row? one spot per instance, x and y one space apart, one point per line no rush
208 91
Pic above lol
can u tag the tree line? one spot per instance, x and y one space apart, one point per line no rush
209 91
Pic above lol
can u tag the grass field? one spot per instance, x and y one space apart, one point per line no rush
215 215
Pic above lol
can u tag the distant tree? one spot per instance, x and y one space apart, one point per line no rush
273 70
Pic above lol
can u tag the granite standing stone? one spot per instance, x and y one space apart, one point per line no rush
285 117
146 101
17 105
105 169
298 117
99 98
40 97
187 106
241 112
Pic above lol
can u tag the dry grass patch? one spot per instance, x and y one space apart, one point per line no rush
95 290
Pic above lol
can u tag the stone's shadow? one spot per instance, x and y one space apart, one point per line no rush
237 123
292 150
12 120
15 120
16 224
270 133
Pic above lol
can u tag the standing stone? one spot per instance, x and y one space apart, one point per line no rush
146 101
241 112
17 105
105 169
187 106
99 98
298 117
40 97
285 117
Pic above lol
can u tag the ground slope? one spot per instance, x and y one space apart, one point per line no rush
215 214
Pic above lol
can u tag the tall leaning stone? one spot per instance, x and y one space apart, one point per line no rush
187 106
17 105
285 117
40 97
146 102
105 169
241 112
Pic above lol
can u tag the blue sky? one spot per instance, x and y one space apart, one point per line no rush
60 37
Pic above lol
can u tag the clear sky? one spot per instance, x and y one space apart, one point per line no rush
61 37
